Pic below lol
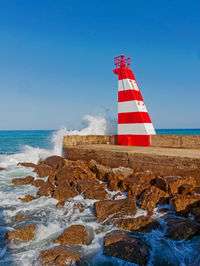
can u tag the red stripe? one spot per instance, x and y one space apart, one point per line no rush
124 73
134 140
129 95
133 117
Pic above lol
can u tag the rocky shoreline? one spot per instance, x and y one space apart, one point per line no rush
118 194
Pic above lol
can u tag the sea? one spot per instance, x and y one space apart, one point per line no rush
32 145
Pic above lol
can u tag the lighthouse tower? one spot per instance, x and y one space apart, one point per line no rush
134 123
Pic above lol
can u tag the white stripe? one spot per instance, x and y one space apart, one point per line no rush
136 129
131 106
127 84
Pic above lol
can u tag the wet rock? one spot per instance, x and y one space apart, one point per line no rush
27 198
83 185
21 217
100 170
38 183
151 197
23 181
45 190
43 170
60 204
52 178
185 189
182 228
26 233
54 161
1 168
110 209
127 248
141 224
27 164
96 193
74 235
171 184
62 193
181 203
116 176
119 194
78 207
59 255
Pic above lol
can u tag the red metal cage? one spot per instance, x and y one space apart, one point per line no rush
122 61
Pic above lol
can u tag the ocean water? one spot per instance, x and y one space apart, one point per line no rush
30 146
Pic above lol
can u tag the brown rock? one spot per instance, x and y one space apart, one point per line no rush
181 203
74 235
83 185
27 164
27 198
52 178
100 170
182 228
96 193
23 181
141 224
1 168
60 204
45 190
170 184
54 161
119 194
151 197
26 233
43 170
38 183
114 208
80 207
59 255
127 248
185 189
21 217
62 193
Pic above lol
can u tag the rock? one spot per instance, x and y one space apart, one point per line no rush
45 190
27 198
54 161
114 208
60 204
62 193
127 248
43 170
23 181
52 178
150 198
59 255
185 189
80 207
119 194
179 229
83 185
26 233
181 203
170 184
96 193
38 183
21 217
100 170
1 168
140 223
74 235
27 164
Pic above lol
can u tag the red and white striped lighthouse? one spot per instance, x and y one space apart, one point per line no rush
134 123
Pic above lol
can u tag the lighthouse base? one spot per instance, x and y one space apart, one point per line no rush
134 140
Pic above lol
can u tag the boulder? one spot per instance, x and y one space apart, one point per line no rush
38 183
60 204
74 235
43 170
27 164
54 161
182 204
52 178
118 194
21 217
83 185
116 176
63 193
110 209
1 168
127 248
150 198
27 198
100 170
171 184
59 255
185 189
179 229
45 190
140 223
26 233
23 181
96 193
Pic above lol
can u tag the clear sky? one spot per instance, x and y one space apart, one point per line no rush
56 60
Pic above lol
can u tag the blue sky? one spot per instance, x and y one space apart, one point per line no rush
56 60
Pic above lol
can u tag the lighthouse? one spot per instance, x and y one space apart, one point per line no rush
134 124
